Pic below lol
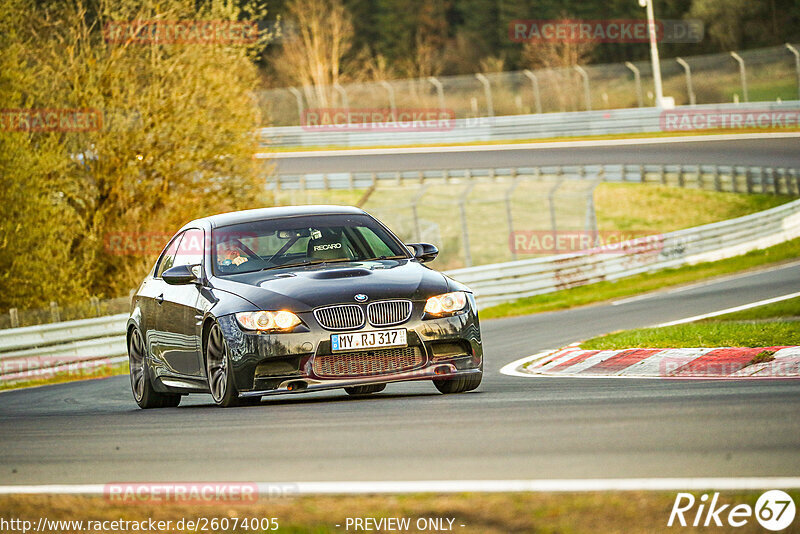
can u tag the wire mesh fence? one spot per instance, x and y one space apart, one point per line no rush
770 74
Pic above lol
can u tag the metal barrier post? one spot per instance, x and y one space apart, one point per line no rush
638 79
14 316
537 97
742 74
689 87
487 89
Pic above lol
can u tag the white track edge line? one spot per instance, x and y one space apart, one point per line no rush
511 368
731 310
695 285
271 489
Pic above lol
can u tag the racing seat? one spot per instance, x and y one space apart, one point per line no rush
328 248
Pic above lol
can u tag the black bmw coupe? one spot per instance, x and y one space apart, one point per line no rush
293 300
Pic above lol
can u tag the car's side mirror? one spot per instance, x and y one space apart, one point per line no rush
424 251
181 275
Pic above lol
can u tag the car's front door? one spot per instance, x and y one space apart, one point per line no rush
179 320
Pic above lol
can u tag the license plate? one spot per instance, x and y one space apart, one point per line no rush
368 340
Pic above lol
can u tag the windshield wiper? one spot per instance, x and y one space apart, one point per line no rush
305 263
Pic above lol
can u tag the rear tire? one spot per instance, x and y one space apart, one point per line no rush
365 390
141 386
459 384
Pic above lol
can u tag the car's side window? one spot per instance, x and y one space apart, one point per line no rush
190 251
168 258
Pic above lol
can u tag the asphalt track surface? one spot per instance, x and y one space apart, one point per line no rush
510 428
778 152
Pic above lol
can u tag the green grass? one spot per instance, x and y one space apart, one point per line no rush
705 334
642 283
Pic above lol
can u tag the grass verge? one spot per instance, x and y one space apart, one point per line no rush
643 283
590 512
766 326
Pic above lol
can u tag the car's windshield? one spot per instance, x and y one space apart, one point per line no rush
293 241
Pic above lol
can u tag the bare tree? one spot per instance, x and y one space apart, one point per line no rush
312 55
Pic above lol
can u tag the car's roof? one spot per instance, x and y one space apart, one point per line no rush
235 217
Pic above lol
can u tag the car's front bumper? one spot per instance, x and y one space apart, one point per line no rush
269 364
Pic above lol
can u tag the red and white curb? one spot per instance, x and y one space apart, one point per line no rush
728 362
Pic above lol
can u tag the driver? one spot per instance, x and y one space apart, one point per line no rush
229 254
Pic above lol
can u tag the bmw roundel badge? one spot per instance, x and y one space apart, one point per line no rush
361 297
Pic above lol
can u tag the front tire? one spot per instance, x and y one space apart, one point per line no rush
459 384
218 368
141 386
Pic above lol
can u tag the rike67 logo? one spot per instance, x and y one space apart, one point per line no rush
774 510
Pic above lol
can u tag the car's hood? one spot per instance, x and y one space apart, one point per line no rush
301 289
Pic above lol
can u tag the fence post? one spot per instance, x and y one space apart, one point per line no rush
638 79
796 54
487 89
94 302
345 101
439 90
748 178
537 97
299 97
551 201
591 215
717 180
742 74
509 212
414 203
462 201
587 95
55 313
392 105
689 87
14 316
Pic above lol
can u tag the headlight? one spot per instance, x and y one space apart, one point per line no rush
446 303
268 320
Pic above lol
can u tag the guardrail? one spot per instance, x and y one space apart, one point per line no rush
31 352
726 178
505 128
